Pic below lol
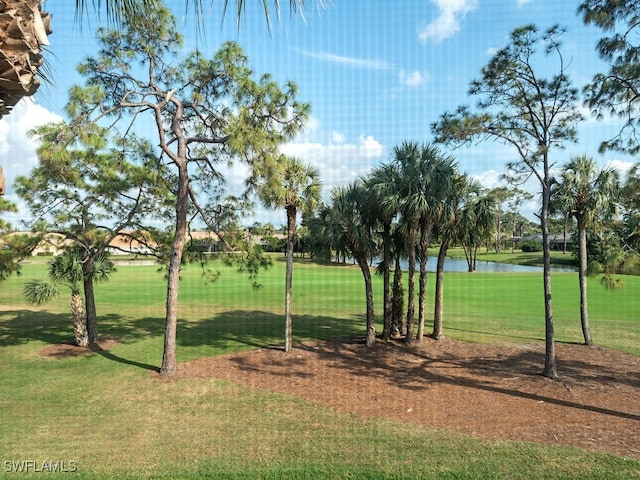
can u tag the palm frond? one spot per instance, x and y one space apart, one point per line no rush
38 292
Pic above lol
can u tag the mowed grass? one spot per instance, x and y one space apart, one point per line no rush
106 413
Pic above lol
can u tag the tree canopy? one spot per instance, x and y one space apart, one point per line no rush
532 114
617 91
206 113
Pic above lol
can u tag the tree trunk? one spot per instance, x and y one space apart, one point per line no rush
90 304
397 301
411 287
422 290
386 260
291 231
79 320
439 296
24 31
499 230
368 287
468 257
582 277
169 362
550 368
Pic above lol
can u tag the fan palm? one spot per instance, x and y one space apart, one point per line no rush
461 190
424 179
353 219
382 186
63 270
296 186
66 270
586 194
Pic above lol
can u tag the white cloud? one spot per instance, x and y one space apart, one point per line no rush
18 150
413 79
491 51
338 162
523 2
490 179
448 20
621 166
371 64
337 137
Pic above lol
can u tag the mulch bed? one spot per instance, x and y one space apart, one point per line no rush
70 349
491 392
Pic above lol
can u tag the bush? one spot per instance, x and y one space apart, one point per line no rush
531 246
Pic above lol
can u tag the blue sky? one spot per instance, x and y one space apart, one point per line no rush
375 73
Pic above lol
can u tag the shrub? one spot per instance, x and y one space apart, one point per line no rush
531 246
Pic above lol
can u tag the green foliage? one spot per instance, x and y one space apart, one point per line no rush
14 248
512 100
38 292
531 246
608 93
272 244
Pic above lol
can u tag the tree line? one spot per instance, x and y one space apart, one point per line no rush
97 177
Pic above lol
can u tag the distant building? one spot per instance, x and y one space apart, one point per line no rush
557 241
126 244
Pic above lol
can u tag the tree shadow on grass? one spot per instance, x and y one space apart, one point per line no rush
110 356
18 327
260 329
223 333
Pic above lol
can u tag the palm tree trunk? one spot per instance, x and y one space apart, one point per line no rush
368 286
397 301
582 277
422 290
386 275
169 361
79 320
439 296
411 287
291 231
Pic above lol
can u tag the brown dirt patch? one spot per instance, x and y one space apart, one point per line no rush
486 391
70 349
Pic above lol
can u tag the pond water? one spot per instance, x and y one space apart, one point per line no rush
460 265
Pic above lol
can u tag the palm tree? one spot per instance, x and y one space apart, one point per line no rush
296 186
66 269
382 186
447 228
476 226
406 157
350 215
424 177
586 194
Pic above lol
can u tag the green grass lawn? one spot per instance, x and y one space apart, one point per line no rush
108 415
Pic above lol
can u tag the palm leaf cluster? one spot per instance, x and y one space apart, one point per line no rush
392 214
67 270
